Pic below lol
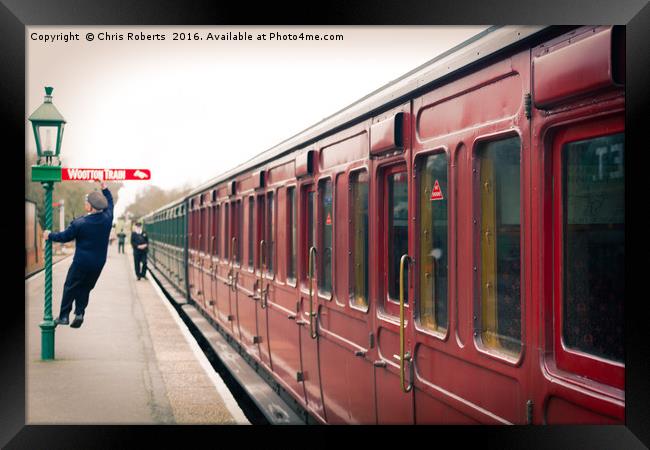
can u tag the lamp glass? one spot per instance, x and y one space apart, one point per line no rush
48 136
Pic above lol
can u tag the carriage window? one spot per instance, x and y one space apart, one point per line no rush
291 232
326 226
251 239
202 232
593 181
397 229
433 256
359 237
208 241
500 240
226 239
270 243
309 229
261 223
240 232
216 230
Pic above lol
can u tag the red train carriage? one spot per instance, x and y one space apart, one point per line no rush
447 250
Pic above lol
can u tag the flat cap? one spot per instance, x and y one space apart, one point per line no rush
97 200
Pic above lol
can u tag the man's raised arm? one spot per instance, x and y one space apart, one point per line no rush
109 198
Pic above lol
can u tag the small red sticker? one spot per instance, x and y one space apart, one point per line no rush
329 219
436 193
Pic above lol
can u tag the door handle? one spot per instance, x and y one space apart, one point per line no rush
312 329
403 356
261 283
232 276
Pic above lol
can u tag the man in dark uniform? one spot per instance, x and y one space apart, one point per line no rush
90 233
140 244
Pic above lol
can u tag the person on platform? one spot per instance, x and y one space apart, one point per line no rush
140 244
90 233
121 238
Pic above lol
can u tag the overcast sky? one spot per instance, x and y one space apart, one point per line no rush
189 110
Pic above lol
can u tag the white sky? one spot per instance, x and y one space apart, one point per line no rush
190 110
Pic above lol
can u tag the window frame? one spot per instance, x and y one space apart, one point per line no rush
226 230
202 228
576 362
304 218
270 274
390 305
292 244
419 158
216 228
238 231
320 224
250 232
355 171
493 352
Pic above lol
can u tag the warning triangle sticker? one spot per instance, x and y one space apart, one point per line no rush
329 219
436 193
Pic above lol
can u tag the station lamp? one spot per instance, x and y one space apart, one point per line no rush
47 123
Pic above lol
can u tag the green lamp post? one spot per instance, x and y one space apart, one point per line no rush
47 123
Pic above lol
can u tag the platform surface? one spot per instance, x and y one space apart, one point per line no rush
133 361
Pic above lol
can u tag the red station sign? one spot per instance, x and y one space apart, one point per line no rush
70 174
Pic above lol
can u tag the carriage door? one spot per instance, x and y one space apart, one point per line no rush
265 257
308 304
393 372
236 228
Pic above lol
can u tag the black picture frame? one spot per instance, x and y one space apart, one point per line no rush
15 15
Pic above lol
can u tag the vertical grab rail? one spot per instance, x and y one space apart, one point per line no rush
262 293
403 356
231 277
312 328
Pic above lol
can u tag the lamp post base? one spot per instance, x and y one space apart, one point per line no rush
47 339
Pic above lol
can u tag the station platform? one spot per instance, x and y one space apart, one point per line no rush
133 360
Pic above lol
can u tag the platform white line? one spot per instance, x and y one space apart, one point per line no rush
218 382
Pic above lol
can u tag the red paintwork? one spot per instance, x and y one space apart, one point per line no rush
456 380
573 67
383 134
303 163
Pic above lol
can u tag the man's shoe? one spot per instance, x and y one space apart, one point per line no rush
143 277
78 320
59 321
139 278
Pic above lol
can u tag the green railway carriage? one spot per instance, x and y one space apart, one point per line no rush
167 228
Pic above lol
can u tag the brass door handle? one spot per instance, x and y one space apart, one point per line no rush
402 356
312 329
261 282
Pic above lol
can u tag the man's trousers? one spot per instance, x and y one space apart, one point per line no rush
78 284
140 260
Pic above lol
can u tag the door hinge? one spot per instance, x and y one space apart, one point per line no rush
528 105
256 339
371 340
300 376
